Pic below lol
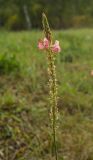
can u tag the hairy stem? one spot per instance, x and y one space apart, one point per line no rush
53 99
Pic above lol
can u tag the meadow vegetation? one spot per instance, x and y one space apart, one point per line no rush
25 132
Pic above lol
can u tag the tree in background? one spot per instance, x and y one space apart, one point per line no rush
25 14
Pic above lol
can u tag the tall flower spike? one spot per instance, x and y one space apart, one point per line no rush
52 80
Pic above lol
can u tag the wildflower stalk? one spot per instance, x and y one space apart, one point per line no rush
52 83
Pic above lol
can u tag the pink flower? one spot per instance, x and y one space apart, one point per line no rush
40 45
43 44
46 43
56 48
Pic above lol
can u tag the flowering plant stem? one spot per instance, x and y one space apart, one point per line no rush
52 84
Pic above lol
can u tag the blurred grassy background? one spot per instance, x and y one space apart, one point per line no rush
25 132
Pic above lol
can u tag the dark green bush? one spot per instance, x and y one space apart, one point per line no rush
9 64
68 58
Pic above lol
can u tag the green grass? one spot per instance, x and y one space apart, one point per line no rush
25 132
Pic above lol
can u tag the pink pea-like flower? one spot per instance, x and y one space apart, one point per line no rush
56 47
43 44
46 43
40 45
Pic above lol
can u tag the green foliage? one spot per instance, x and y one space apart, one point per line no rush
61 13
9 64
13 23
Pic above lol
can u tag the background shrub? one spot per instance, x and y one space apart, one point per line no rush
9 64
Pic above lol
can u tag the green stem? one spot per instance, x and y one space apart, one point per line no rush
53 96
54 135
